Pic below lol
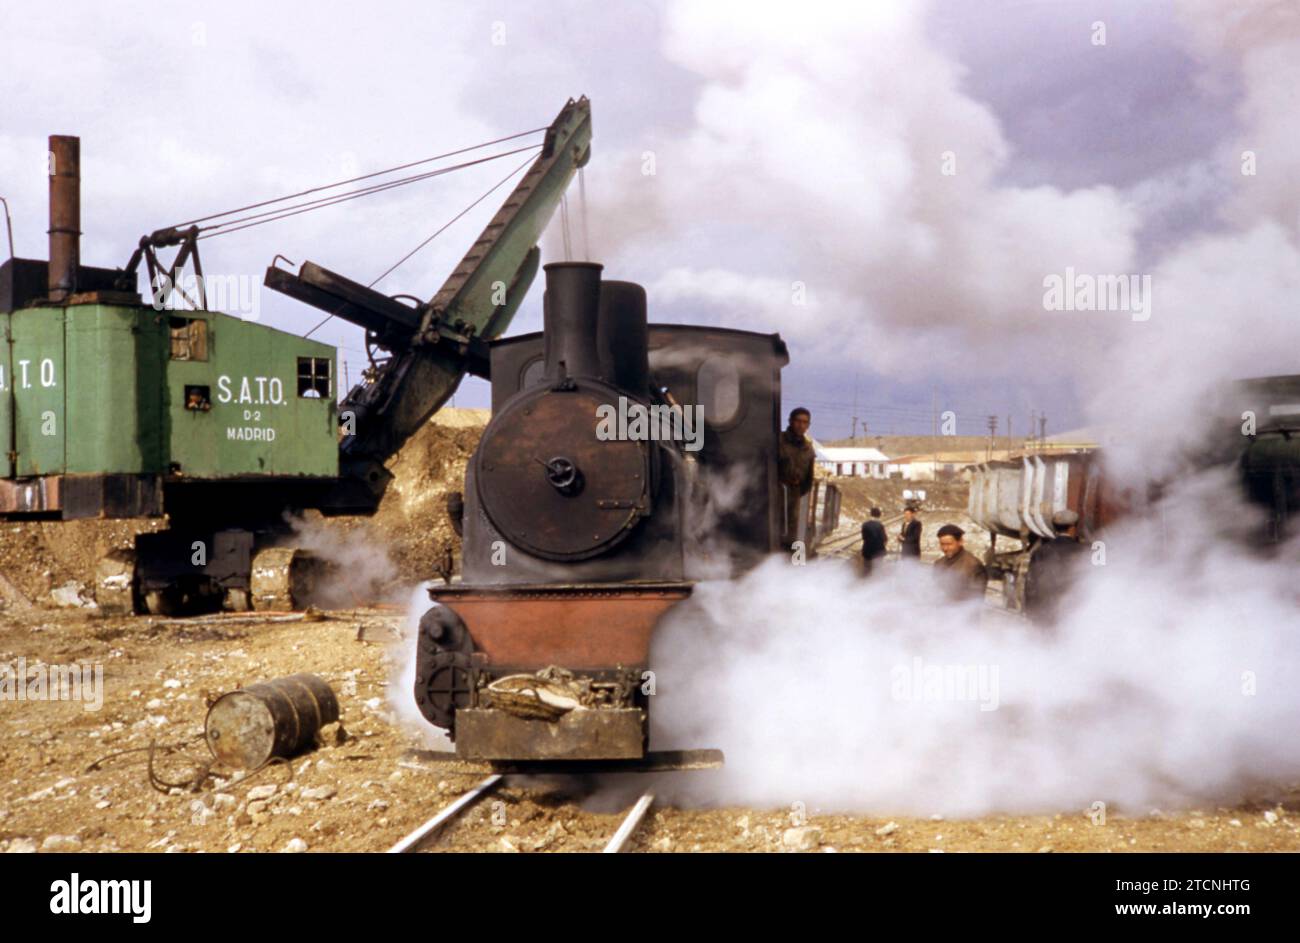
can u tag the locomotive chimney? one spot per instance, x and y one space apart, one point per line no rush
65 215
570 318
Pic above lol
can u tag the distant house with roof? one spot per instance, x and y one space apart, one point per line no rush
851 462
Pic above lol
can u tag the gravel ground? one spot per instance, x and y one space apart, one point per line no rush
367 792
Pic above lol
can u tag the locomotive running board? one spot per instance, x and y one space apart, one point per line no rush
661 761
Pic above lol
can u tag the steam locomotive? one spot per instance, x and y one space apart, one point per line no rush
579 533
1259 419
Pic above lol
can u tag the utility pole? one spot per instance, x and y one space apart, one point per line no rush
853 431
934 432
993 432
1042 429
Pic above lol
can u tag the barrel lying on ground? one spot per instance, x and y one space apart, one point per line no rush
281 718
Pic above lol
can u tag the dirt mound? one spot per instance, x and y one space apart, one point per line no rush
412 519
465 418
411 524
39 556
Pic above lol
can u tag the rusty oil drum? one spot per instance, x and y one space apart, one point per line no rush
280 718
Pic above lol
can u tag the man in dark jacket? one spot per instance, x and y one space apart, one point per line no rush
795 459
873 541
909 536
1053 569
960 573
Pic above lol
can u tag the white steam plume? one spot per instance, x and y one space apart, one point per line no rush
817 156
1224 303
1166 683
401 688
359 572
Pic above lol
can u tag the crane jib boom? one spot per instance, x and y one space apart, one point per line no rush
433 346
496 256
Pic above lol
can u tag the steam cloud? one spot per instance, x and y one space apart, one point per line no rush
359 570
827 133
1167 681
1226 299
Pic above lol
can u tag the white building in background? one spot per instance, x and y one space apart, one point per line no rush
941 466
851 462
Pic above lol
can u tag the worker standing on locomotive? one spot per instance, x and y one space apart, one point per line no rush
960 573
873 541
795 459
1052 569
909 535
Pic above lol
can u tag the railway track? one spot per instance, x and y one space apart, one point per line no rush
630 823
413 840
845 544
426 830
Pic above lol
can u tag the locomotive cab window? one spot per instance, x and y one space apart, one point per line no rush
717 386
314 377
189 338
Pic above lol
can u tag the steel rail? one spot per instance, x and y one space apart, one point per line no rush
411 841
630 823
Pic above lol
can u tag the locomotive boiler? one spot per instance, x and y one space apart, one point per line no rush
580 531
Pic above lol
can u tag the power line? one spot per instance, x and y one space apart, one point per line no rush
392 268
441 229
270 216
377 173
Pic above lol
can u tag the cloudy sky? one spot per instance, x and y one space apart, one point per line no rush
918 168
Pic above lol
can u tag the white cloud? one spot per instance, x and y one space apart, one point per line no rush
822 138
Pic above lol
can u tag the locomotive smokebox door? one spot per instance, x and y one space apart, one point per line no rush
550 486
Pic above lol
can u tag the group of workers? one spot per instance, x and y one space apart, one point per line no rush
962 576
959 573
